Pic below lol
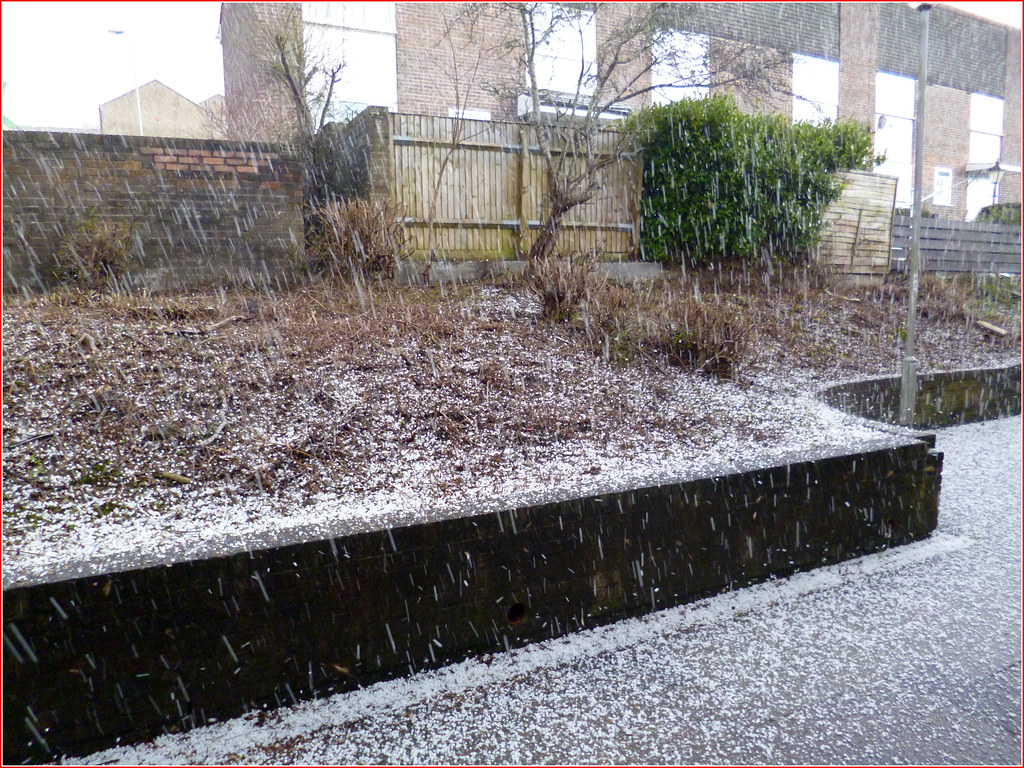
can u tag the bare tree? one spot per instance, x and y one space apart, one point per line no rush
638 53
286 74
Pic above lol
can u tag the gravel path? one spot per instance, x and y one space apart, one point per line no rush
910 656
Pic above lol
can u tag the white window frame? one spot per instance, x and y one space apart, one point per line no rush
368 17
815 89
363 31
943 188
686 57
468 113
984 146
894 119
566 62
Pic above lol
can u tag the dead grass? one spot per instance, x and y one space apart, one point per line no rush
327 387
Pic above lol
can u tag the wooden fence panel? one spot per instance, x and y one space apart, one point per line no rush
858 227
960 246
492 189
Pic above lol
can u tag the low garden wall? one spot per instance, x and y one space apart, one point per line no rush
125 656
200 211
943 399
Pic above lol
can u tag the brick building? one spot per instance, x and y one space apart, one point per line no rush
853 60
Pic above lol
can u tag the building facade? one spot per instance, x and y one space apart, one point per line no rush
157 110
842 60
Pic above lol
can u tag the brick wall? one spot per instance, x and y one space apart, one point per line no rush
946 143
858 61
1010 188
462 57
769 92
356 159
964 52
201 210
257 105
131 655
809 28
966 55
624 19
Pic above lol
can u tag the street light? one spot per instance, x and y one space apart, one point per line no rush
994 174
908 388
135 77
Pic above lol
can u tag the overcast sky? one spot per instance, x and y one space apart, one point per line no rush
60 61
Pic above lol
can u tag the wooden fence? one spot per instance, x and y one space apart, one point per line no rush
857 236
479 195
487 189
959 246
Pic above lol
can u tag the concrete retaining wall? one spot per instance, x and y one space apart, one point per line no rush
127 656
943 399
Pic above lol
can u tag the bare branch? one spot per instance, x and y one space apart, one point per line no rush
639 53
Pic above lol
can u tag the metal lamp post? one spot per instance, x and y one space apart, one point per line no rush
135 77
995 175
908 389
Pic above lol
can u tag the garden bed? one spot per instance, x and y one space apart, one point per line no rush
147 429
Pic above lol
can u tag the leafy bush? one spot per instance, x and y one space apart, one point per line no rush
1000 213
719 183
356 238
926 212
95 253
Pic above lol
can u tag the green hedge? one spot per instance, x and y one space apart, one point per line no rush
719 183
1000 213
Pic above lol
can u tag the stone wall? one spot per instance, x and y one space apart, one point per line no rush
201 211
127 656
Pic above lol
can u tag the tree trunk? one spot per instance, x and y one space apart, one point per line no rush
547 238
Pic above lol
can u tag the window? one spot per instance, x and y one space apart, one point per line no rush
364 35
986 143
894 131
943 194
370 17
815 89
565 59
683 60
469 114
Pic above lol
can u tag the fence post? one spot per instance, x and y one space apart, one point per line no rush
637 201
524 158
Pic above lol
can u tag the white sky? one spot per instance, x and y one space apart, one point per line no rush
60 62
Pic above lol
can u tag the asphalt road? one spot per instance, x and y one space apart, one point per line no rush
911 656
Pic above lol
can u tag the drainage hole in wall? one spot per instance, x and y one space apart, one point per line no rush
516 613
